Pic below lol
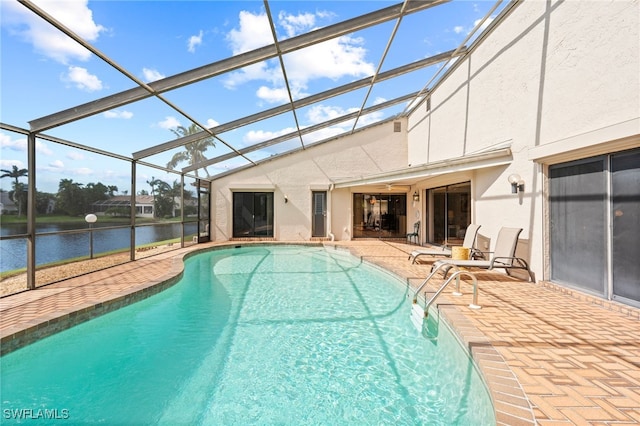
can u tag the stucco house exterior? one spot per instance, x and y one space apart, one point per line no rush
550 96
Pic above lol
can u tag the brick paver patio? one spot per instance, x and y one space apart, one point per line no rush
549 355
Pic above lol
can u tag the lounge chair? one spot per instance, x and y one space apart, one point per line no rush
503 256
415 234
469 242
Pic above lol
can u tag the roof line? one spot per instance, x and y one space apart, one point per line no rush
304 131
296 150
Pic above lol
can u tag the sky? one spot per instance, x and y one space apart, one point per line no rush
43 72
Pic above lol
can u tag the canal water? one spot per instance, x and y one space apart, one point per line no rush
53 248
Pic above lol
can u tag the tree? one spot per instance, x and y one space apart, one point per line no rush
14 173
93 192
19 192
163 199
152 183
70 197
43 202
194 151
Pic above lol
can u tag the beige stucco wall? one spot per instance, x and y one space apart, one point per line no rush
554 76
550 71
372 150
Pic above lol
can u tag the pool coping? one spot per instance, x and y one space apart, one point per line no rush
511 405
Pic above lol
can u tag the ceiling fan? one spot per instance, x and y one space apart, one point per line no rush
391 187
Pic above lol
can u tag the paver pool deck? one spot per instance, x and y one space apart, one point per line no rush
549 355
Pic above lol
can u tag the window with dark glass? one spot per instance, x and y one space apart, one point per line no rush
450 213
252 214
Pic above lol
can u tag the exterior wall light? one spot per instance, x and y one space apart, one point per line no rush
416 196
517 184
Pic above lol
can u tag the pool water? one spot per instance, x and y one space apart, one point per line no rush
257 335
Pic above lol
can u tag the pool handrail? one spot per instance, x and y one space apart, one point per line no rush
456 275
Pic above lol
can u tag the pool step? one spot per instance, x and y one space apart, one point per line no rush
417 316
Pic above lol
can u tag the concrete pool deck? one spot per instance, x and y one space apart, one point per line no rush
549 355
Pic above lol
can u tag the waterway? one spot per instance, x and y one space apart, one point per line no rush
54 248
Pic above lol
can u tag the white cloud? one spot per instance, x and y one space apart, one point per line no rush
336 58
83 171
276 95
255 136
169 123
194 41
254 32
295 24
42 148
321 113
21 144
118 114
150 75
13 144
372 117
484 25
81 78
57 164
259 71
459 29
324 133
8 164
75 155
379 100
212 123
47 40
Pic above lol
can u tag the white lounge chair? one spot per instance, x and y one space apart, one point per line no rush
469 242
503 256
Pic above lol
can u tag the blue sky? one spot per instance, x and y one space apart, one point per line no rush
43 72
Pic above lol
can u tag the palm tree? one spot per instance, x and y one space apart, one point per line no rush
14 173
152 183
194 151
18 194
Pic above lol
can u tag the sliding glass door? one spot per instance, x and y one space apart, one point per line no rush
578 196
379 215
252 214
625 191
450 213
595 225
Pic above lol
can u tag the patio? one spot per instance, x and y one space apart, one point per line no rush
549 355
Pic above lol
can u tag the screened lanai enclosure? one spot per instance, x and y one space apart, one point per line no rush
105 157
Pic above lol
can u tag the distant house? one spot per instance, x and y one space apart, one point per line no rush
7 206
120 205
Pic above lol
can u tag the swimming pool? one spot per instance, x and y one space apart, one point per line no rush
252 335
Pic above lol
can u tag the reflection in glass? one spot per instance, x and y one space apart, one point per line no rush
377 215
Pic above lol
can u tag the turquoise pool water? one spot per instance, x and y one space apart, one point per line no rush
261 335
